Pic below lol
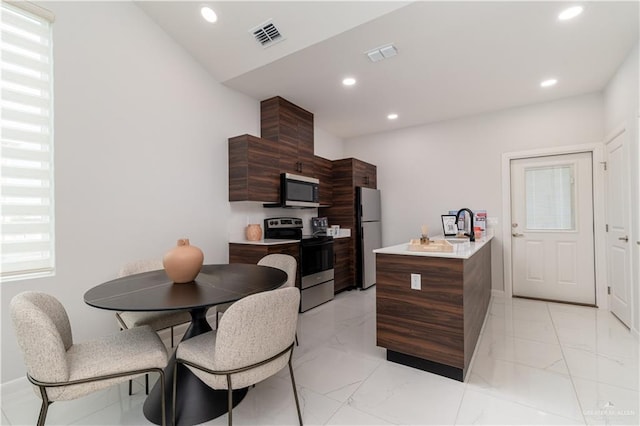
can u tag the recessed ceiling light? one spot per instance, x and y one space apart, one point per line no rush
349 81
392 116
208 14
548 83
570 13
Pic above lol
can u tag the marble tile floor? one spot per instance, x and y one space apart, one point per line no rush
536 363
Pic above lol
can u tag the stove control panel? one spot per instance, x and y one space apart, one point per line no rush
283 222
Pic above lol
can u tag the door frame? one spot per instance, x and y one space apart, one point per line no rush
599 240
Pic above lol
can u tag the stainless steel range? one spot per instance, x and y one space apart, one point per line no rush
316 260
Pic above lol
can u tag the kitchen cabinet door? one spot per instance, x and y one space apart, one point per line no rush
292 128
305 142
323 170
252 253
364 174
371 176
253 170
343 270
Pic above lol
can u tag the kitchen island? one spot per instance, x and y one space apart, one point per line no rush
430 306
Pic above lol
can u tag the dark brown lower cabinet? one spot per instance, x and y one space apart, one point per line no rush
437 327
342 265
252 253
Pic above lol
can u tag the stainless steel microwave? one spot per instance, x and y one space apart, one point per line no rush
299 191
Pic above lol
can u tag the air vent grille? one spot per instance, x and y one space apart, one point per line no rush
267 34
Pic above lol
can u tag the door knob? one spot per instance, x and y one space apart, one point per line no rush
625 238
515 234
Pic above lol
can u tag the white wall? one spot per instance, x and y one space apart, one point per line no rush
141 135
622 107
140 156
424 171
327 145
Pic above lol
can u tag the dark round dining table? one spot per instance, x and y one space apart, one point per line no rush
154 291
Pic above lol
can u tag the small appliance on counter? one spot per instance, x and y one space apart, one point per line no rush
316 260
319 225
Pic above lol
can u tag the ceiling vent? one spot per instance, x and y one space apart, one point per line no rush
382 52
267 34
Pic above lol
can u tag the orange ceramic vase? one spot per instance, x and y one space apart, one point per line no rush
183 263
254 232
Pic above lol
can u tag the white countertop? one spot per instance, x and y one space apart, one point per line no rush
460 250
272 241
267 242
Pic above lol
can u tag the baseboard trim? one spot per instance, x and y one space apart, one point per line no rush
426 365
497 293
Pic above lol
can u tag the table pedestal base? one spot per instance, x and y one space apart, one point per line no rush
196 402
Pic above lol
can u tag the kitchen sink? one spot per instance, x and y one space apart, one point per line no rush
457 240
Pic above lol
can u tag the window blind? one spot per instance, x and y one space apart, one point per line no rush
26 126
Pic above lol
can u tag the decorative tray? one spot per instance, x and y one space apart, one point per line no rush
431 245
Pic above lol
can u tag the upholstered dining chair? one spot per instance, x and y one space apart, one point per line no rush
283 262
156 320
62 370
255 340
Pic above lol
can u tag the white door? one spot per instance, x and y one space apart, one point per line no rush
552 228
618 245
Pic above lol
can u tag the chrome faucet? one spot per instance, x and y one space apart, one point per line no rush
471 233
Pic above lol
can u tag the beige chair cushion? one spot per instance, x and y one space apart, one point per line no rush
252 330
129 350
158 320
139 266
283 262
43 332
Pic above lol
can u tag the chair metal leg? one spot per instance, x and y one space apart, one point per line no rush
164 403
171 336
175 392
146 383
130 387
45 406
295 392
229 399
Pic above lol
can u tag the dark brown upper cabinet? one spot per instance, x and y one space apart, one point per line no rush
254 170
323 170
292 128
364 174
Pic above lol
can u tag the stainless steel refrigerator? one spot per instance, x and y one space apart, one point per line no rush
369 234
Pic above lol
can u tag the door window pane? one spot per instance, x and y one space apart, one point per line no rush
550 198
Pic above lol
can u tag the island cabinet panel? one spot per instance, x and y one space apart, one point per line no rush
426 323
342 267
252 253
253 170
323 170
477 295
437 327
292 128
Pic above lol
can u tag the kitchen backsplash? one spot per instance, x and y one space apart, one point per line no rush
246 212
